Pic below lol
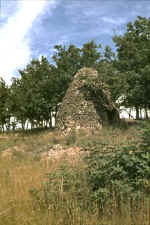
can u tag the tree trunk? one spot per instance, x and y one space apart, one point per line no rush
137 112
140 113
23 125
27 125
146 113
50 124
3 127
130 113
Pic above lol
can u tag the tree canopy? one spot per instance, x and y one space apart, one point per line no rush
133 61
41 86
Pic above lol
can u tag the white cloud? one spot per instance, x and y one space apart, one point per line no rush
117 21
14 44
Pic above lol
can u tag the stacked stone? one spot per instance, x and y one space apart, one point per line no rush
87 103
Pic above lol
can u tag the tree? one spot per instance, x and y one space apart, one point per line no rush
109 74
69 60
17 102
34 81
133 62
90 54
4 113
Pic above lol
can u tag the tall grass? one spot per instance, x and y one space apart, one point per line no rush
34 192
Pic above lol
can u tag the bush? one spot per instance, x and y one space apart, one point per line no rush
123 174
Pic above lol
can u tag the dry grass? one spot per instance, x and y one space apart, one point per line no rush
24 171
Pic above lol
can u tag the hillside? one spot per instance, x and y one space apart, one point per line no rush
44 178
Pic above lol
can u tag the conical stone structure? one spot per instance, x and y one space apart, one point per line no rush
87 103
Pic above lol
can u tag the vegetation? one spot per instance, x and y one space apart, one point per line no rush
39 90
123 174
133 62
107 184
108 180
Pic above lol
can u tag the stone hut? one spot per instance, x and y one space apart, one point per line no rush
87 103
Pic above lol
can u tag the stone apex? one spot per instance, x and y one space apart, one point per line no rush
86 72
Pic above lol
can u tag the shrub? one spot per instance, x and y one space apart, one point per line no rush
124 173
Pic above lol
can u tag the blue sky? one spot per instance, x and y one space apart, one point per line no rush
31 28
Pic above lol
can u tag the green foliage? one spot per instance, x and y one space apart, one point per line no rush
42 86
35 82
145 137
70 60
133 50
123 173
34 95
112 78
90 55
4 112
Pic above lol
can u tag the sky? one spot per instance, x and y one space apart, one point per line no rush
31 28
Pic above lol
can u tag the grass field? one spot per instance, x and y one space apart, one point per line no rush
36 191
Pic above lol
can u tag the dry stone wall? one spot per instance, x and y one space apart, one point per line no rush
87 103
